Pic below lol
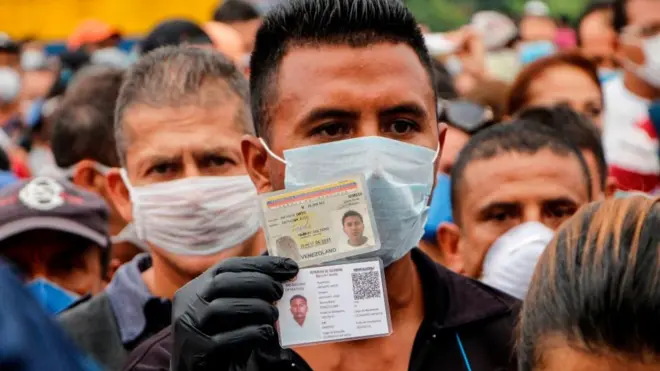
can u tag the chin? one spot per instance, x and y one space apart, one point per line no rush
194 265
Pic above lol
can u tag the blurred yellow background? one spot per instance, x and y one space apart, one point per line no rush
56 19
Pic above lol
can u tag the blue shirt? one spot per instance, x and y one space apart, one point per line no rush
138 312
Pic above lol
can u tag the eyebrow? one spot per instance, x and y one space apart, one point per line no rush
406 108
319 114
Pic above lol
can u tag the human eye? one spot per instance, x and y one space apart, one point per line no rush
163 168
402 127
332 130
216 161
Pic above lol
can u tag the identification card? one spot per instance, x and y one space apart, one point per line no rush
333 303
319 224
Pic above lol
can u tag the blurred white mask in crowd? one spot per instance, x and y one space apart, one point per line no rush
510 261
10 84
648 71
113 57
33 59
496 29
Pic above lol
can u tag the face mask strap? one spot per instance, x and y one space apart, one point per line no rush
437 153
127 182
273 155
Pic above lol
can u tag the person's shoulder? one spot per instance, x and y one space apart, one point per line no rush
87 309
153 354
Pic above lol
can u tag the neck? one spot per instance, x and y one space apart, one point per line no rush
639 87
404 289
164 277
300 321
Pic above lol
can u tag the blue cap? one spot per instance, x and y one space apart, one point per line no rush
440 210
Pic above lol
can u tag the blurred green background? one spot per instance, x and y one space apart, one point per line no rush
443 15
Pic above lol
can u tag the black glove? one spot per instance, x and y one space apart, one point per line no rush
223 315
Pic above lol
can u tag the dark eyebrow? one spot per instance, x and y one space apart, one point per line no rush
506 206
407 108
561 201
330 113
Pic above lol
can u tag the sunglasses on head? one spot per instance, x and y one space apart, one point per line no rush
467 116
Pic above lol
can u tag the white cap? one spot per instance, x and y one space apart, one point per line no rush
537 8
495 29
511 260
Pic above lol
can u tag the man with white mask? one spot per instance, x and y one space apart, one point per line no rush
339 88
512 185
179 120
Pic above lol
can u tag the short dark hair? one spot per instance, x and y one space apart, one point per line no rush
573 127
593 7
518 96
349 214
83 124
5 163
597 285
620 16
357 23
294 297
235 11
443 82
180 75
518 136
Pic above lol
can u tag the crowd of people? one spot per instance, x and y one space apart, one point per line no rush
511 167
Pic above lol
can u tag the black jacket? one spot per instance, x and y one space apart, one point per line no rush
465 322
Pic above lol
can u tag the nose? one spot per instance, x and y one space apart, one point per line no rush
190 167
533 214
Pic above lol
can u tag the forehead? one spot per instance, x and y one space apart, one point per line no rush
596 21
643 12
357 79
564 82
171 130
517 177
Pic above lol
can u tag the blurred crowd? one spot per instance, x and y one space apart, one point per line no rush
512 165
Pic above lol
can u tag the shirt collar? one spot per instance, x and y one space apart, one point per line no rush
129 295
451 300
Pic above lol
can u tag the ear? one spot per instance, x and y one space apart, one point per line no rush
449 236
256 160
86 176
611 187
119 195
442 135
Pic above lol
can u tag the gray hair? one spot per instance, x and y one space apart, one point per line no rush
176 76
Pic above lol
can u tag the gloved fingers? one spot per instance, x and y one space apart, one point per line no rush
243 285
281 269
249 337
227 314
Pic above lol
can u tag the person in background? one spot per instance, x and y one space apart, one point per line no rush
175 32
38 77
7 177
567 78
631 144
101 41
514 182
10 88
56 235
84 147
180 116
479 109
30 340
596 38
537 33
243 17
338 88
499 34
593 301
581 132
565 38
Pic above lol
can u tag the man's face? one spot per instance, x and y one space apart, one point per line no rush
455 140
171 143
332 93
502 192
643 22
598 38
354 228
248 31
12 60
537 29
72 263
299 309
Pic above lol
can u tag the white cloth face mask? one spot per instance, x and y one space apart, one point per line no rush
399 177
196 215
511 260
648 71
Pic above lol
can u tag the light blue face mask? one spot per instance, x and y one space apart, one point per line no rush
52 297
440 210
607 74
399 177
535 50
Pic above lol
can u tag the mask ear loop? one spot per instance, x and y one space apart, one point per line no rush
437 153
273 155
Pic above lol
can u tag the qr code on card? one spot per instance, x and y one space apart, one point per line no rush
366 285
